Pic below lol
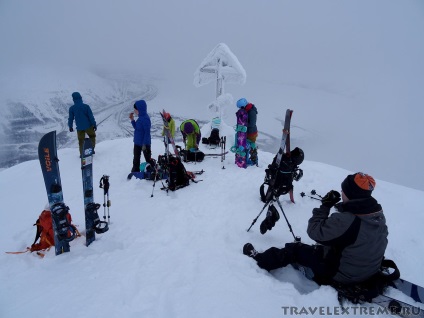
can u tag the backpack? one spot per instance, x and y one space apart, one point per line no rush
372 287
178 176
45 233
189 155
150 172
213 139
283 176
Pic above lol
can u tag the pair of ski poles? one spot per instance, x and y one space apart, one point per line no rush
271 202
104 184
313 192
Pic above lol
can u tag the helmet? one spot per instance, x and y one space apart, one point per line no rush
297 156
242 102
166 115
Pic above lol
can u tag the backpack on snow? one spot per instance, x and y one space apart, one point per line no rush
45 233
213 139
370 288
178 176
150 172
190 156
283 176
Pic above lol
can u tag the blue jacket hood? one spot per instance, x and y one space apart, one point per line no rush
141 107
76 96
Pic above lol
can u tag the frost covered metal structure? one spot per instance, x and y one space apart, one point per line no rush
221 66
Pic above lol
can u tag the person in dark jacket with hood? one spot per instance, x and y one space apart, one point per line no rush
352 241
84 120
142 138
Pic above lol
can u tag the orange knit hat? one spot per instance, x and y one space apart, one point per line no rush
358 185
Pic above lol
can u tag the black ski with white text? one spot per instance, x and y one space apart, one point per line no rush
63 231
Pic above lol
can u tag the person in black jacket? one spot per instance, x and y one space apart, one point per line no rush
352 242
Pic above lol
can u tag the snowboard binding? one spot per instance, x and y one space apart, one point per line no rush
98 226
65 231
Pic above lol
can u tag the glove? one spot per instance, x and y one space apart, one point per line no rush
71 129
95 128
330 199
143 147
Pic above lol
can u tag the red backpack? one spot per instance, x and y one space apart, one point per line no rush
45 231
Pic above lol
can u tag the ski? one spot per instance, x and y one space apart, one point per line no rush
93 224
168 134
63 231
284 149
412 290
216 154
389 304
397 307
392 306
285 140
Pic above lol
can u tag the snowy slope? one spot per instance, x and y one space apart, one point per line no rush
175 255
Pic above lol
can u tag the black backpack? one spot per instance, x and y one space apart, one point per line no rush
178 176
283 176
190 156
213 139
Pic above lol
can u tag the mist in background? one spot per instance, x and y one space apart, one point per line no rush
353 72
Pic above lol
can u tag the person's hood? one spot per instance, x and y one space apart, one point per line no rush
76 96
141 107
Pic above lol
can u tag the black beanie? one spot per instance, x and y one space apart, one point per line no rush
358 185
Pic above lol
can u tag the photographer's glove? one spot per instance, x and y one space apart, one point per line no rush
330 199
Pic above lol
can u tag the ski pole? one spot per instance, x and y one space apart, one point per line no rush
104 184
296 238
302 194
108 205
313 192
223 152
254 221
154 182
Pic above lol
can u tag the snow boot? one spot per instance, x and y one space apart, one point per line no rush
272 216
249 250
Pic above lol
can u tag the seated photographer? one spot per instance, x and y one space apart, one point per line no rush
352 242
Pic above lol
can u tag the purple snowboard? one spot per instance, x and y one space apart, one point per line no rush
241 136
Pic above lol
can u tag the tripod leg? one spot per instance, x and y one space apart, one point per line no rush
254 221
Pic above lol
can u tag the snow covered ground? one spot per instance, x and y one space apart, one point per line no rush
176 254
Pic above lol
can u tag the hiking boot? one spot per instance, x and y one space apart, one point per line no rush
249 250
268 223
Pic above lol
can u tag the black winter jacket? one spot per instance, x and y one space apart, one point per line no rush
355 239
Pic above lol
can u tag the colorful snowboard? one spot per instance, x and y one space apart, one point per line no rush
240 147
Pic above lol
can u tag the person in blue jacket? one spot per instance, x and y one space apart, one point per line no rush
84 120
142 138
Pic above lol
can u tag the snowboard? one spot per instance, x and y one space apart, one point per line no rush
252 153
63 231
240 145
93 224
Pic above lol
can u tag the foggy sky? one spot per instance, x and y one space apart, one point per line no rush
353 71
